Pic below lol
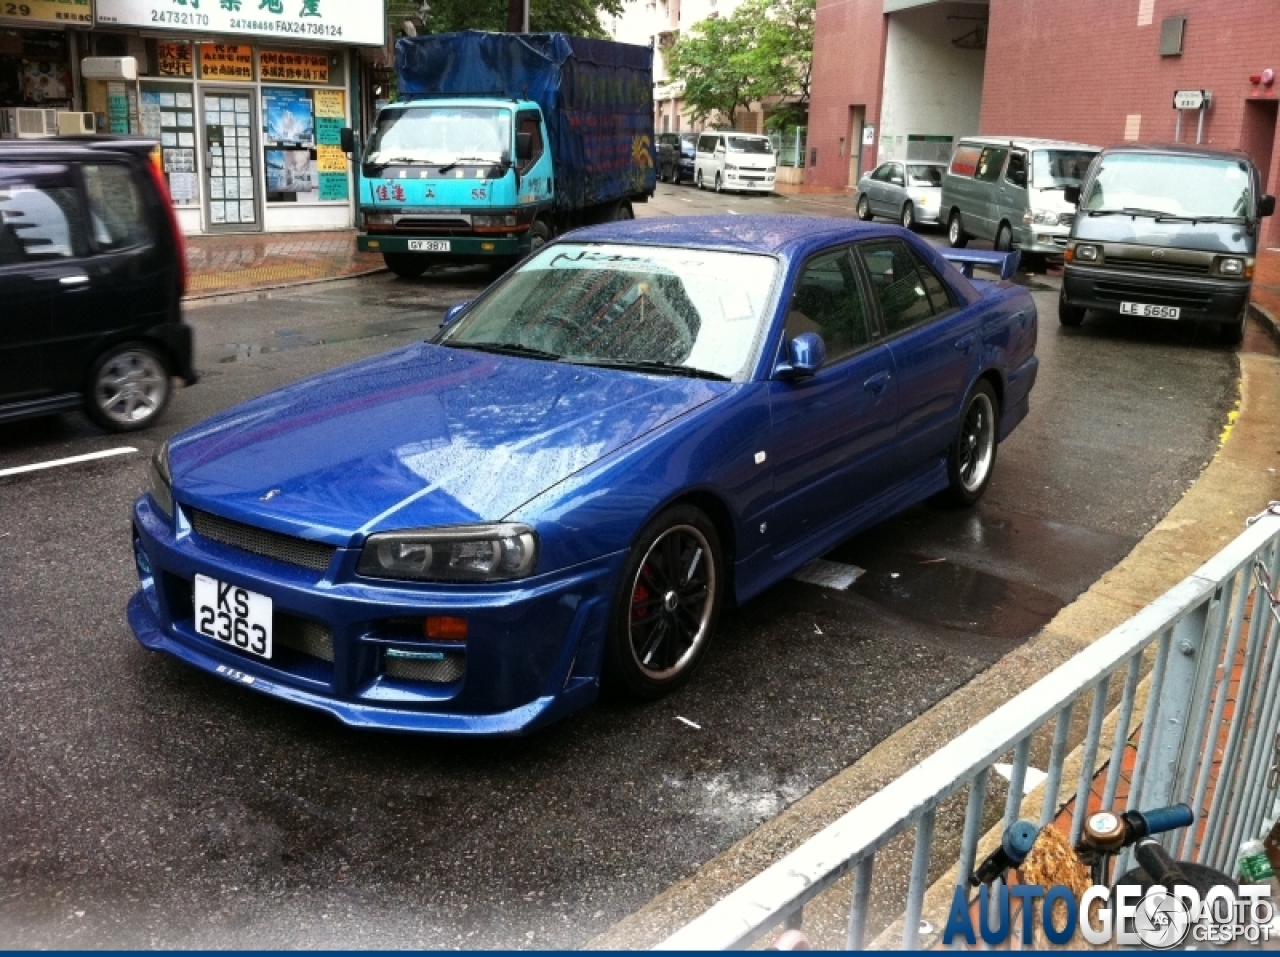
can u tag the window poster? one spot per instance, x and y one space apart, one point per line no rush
287 117
162 119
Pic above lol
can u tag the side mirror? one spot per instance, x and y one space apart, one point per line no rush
524 147
451 313
1071 194
805 355
1268 205
347 138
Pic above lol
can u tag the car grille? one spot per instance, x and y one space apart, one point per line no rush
1162 266
304 636
283 548
1156 295
441 668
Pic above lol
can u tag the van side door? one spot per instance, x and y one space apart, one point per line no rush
1014 201
984 219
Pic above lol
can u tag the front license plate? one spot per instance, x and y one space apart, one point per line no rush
1151 312
234 616
428 245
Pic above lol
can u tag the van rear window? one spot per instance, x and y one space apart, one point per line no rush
965 160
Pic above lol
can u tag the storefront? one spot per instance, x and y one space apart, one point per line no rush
37 53
247 98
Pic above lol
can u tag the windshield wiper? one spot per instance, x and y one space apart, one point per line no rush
383 164
1127 211
506 349
1170 218
653 365
468 159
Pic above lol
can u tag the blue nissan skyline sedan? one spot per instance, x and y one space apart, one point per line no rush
644 422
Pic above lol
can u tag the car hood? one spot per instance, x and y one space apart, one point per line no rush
419 437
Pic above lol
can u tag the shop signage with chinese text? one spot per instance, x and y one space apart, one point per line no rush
222 61
361 22
294 67
47 11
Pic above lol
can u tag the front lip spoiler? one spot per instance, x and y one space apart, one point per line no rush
528 717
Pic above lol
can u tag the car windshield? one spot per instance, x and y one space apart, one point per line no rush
749 144
920 175
1054 169
614 304
439 135
1157 184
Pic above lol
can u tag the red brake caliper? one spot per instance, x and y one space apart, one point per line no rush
640 595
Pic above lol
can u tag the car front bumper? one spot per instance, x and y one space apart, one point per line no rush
531 656
749 185
1040 239
1200 298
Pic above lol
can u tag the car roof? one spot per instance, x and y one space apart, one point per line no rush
1027 142
787 236
1181 149
138 146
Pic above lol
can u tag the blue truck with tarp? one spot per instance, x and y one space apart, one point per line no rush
498 142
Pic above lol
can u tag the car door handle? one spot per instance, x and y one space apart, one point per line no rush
77 280
876 384
964 344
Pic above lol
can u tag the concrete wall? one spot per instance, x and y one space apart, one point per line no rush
932 87
1090 70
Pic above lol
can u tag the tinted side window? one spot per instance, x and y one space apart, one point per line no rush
117 213
528 122
940 296
40 214
965 160
881 174
895 175
1017 171
990 163
828 300
707 144
904 301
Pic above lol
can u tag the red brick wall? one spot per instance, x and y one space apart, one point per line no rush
1075 70
848 64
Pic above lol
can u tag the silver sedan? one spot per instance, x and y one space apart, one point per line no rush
908 192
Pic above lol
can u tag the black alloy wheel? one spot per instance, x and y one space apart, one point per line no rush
973 455
666 606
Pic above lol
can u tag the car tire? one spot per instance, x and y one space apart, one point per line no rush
719 184
623 212
972 459
666 605
697 180
129 387
1069 315
1231 333
907 218
956 235
1004 239
406 265
863 208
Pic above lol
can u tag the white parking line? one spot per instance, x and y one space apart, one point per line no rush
55 463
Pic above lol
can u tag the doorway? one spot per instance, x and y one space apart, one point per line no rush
232 161
853 137
1258 136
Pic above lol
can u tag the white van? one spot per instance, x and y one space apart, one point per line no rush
740 161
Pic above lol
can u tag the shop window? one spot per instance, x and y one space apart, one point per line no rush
302 144
167 114
35 69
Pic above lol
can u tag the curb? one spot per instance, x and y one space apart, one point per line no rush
250 290
1267 319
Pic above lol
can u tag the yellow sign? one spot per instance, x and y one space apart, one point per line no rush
47 11
293 67
173 59
223 61
330 159
330 103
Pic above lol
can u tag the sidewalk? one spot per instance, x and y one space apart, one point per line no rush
221 265
1266 291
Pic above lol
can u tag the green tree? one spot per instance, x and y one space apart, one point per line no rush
764 50
577 17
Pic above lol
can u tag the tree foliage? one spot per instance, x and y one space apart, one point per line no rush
577 17
765 49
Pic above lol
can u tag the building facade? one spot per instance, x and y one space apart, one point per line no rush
894 78
246 97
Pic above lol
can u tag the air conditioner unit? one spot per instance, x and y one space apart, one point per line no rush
22 124
76 124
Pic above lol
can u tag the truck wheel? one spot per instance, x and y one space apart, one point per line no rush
955 231
539 236
623 212
1068 314
406 265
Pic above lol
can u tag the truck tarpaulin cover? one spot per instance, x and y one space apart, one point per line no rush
596 96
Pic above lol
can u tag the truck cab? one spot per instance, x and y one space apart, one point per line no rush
461 180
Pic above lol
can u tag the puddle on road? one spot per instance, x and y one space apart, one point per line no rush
285 339
941 592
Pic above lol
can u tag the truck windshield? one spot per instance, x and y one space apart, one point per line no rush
1171 184
1054 169
660 309
439 135
749 144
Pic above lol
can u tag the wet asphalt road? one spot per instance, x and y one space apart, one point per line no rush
143 804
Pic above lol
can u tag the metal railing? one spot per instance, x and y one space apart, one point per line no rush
1209 668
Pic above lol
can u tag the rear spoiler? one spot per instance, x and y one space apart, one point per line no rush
1006 264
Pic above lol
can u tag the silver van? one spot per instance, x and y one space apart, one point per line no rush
738 161
1009 190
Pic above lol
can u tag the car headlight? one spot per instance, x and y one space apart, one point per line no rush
162 480
1044 217
471 553
379 219
507 220
1088 254
1231 266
